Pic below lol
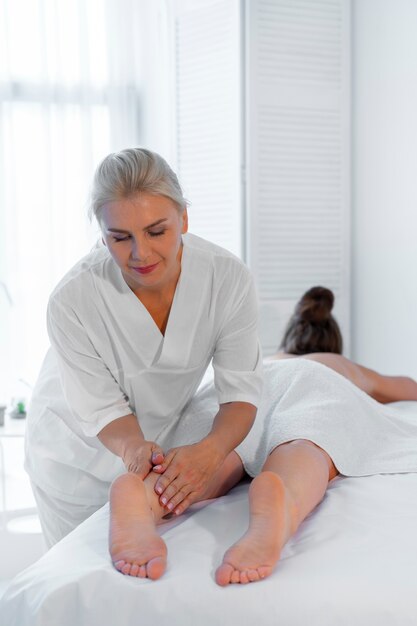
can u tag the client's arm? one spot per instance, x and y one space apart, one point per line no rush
386 389
382 388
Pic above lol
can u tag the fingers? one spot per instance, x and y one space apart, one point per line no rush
164 486
183 506
141 459
162 464
172 486
157 457
168 473
174 495
180 475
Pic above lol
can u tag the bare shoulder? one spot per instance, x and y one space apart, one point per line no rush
281 355
336 362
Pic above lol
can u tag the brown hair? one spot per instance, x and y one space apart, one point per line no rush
312 327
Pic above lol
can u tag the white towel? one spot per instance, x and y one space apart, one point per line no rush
303 399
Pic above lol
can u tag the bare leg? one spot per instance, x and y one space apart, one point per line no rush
229 475
135 546
293 481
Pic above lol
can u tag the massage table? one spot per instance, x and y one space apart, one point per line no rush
352 562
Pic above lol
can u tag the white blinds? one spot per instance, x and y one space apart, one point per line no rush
297 137
286 130
208 107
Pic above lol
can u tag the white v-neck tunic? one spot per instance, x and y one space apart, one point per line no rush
108 359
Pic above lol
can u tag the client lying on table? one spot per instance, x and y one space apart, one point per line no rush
312 425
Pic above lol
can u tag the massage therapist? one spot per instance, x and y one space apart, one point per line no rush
133 327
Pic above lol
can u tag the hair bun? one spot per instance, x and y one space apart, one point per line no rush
315 305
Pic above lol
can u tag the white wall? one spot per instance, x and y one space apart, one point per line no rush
384 280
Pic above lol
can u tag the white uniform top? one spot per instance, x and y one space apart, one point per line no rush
109 359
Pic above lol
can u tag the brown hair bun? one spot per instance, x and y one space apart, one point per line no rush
315 305
312 327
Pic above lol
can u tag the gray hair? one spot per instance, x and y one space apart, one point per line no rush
125 173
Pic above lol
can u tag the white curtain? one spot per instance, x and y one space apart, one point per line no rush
70 92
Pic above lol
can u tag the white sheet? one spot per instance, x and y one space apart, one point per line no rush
303 399
352 562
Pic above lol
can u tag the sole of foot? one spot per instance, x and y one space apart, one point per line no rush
254 556
135 547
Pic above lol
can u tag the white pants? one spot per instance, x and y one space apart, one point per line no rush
58 517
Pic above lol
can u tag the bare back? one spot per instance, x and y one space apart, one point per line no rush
384 389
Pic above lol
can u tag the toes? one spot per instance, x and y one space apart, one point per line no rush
235 578
264 571
134 570
155 567
224 574
253 575
227 574
244 578
119 564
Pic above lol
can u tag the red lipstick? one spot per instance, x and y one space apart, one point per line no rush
145 270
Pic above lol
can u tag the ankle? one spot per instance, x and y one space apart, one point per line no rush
286 499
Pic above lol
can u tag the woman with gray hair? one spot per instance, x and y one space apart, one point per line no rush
133 327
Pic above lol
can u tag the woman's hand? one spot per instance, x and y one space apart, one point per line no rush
124 437
140 457
186 473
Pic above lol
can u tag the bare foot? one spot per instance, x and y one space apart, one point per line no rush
135 547
254 556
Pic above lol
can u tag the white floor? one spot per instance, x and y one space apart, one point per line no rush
21 541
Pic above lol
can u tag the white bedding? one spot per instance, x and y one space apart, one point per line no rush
304 399
352 562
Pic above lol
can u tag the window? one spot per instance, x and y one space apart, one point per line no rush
70 81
